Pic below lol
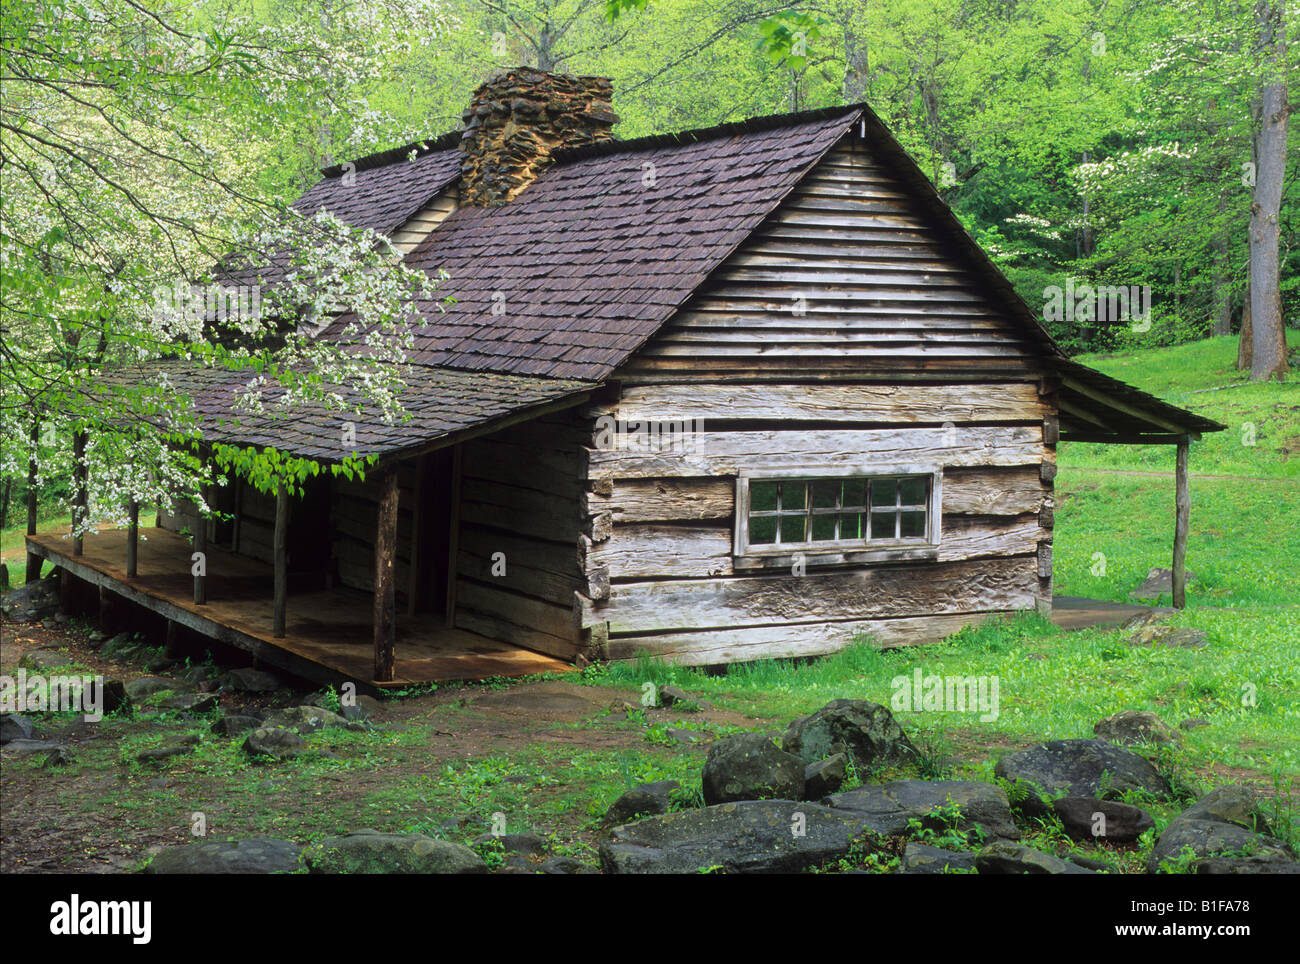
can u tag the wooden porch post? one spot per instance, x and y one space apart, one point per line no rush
453 534
385 614
281 559
201 549
1182 519
33 560
80 499
132 539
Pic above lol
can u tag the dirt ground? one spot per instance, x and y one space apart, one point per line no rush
40 832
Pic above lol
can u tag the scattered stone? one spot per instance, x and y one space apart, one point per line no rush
865 731
750 766
1088 863
15 727
1129 727
273 741
176 746
258 855
1158 582
146 686
1004 857
24 747
924 859
1193 724
190 703
824 777
199 674
114 695
1077 768
1227 832
889 809
250 680
752 836
60 756
1121 822
1158 634
33 601
365 708
646 800
307 719
567 865
679 698
43 660
118 643
160 664
368 852
235 724
518 844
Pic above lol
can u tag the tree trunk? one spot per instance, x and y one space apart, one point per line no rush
1268 337
1245 343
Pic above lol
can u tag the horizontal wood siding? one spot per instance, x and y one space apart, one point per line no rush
656 552
406 238
520 512
846 275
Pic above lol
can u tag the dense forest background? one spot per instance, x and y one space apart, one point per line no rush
1117 143
1108 141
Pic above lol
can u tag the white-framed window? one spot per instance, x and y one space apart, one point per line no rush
828 515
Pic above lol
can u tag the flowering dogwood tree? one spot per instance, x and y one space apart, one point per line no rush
133 137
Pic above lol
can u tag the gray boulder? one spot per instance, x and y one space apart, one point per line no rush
1121 822
174 747
1158 582
888 809
235 724
1129 727
924 859
273 741
258 855
866 732
750 837
249 681
146 686
305 719
750 766
567 865
1225 832
32 601
15 727
646 800
1004 857
43 660
1078 768
367 852
824 777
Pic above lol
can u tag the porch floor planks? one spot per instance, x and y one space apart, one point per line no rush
327 633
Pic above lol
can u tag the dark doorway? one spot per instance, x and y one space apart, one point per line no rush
308 537
432 519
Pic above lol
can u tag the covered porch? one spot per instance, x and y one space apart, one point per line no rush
328 634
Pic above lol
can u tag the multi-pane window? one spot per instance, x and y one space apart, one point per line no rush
844 513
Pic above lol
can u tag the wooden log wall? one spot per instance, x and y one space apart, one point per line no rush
846 332
657 554
521 496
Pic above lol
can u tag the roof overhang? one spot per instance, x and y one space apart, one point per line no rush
1097 408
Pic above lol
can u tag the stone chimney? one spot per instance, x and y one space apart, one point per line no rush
515 122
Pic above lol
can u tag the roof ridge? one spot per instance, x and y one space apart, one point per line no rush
425 145
449 139
765 122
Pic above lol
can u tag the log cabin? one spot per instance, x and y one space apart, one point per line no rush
735 393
